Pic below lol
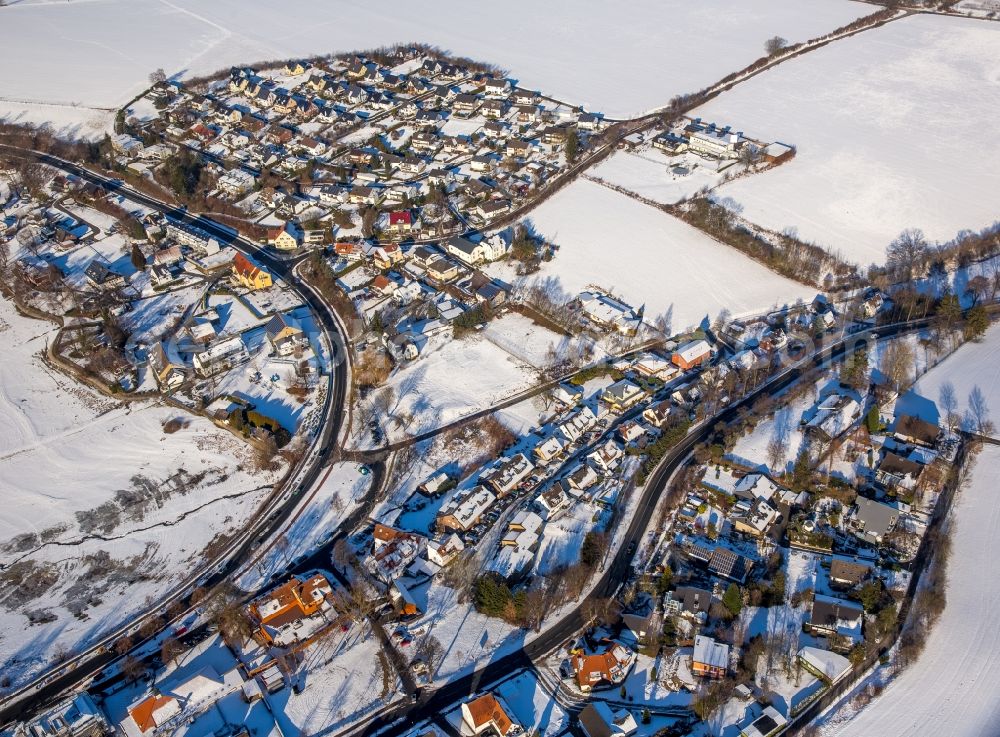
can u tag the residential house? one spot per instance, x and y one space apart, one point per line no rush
74 716
770 722
400 222
552 503
895 472
727 564
658 415
441 270
489 713
710 658
101 276
497 88
465 105
284 237
872 520
599 720
831 616
493 109
392 552
755 520
522 530
846 574
609 668
508 473
622 395
630 431
834 416
464 510
168 370
236 182
443 550
349 251
250 275
296 600
690 601
568 394
220 356
913 430
583 477
387 256
606 456
550 449
692 354
284 334
492 209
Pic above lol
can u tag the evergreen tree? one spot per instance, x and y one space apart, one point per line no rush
138 258
977 323
733 599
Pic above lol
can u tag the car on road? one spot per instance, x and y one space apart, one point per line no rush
631 549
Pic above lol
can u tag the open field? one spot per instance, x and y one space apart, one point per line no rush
650 258
100 52
894 129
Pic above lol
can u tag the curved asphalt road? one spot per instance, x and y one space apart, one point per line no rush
51 687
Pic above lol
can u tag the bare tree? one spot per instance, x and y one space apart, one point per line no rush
949 404
897 363
777 449
774 44
133 669
157 76
906 254
978 416
170 649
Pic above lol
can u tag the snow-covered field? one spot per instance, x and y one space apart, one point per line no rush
657 177
99 54
894 129
130 505
453 381
974 365
650 258
952 688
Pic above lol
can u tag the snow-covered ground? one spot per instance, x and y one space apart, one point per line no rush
336 494
657 177
952 688
130 506
650 258
452 381
894 129
99 54
974 365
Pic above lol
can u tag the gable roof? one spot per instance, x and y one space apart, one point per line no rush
245 267
487 710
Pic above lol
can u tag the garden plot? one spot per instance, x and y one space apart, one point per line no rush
894 129
449 382
572 52
650 259
343 679
537 345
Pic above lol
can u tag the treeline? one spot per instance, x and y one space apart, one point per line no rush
788 256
